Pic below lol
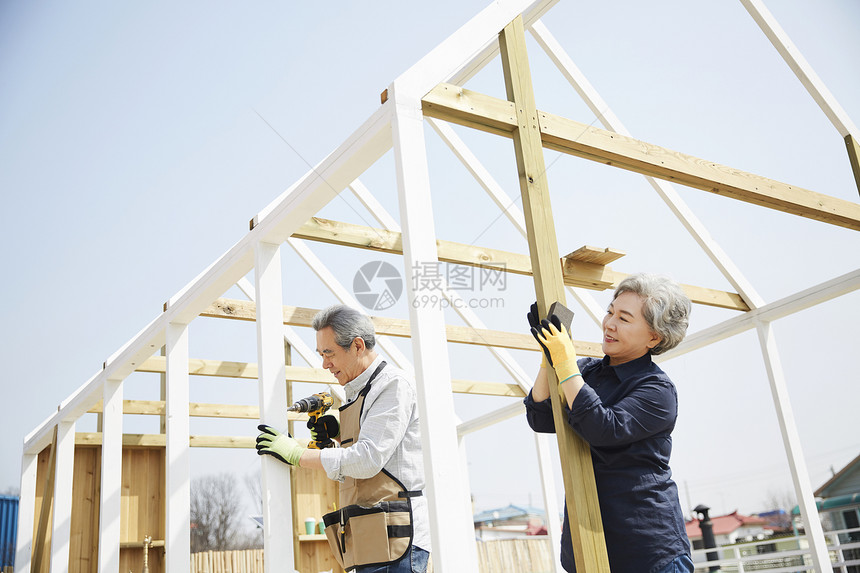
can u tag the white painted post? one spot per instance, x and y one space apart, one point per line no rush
290 335
277 502
111 474
26 513
61 536
791 441
178 537
801 68
451 526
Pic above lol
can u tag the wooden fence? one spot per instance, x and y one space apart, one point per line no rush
530 555
247 561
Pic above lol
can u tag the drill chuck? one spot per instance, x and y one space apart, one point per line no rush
315 403
306 405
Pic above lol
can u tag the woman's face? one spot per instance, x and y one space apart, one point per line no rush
626 334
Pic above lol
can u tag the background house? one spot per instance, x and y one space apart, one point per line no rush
729 529
838 503
840 497
509 522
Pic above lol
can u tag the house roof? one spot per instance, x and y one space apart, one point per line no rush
724 524
505 513
832 503
849 468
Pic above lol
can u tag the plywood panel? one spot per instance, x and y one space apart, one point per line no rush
315 495
143 475
83 550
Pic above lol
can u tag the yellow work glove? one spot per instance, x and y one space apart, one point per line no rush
556 340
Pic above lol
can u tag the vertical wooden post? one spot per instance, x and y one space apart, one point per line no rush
110 507
162 426
298 520
177 540
288 360
65 463
854 157
277 496
39 548
586 526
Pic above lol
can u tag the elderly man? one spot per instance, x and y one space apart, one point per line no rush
382 524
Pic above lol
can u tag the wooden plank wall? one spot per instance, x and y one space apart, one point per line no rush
85 508
313 496
530 555
143 502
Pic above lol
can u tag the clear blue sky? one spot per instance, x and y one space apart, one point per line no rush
133 154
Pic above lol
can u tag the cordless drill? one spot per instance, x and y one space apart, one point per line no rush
316 406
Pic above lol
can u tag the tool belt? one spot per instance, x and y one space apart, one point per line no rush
370 535
374 523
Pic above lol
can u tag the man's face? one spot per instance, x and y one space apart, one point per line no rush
343 363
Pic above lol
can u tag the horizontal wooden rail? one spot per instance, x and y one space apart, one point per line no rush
576 272
473 109
156 364
297 316
148 440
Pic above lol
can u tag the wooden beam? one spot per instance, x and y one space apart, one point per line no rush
346 234
160 440
582 268
586 526
854 157
486 388
294 374
465 107
604 278
585 270
296 316
595 255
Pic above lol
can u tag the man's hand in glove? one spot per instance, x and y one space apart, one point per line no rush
324 430
283 447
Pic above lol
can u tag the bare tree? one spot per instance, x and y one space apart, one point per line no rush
253 481
785 501
216 511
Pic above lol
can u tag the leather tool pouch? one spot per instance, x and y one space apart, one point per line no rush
372 535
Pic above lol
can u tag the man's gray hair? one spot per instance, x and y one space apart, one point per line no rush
664 305
347 324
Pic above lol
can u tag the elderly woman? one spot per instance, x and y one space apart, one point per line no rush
624 406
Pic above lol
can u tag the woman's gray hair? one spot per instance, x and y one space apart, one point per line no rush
347 324
664 305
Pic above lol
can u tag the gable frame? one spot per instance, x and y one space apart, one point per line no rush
276 224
